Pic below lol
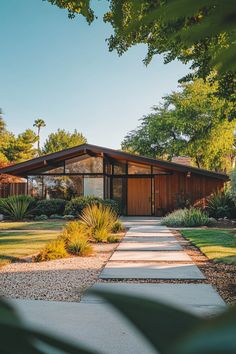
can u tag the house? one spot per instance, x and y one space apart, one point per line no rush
141 185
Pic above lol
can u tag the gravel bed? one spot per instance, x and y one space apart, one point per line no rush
60 280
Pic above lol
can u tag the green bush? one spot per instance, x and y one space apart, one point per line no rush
99 221
186 217
56 216
41 217
17 207
50 206
118 227
53 250
76 205
220 205
69 217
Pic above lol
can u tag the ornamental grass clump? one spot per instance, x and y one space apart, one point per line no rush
17 207
99 220
76 239
53 250
186 217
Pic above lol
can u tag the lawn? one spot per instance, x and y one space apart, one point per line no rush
33 225
217 244
17 244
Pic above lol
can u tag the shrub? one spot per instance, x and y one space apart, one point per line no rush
53 250
73 228
117 227
186 217
113 239
99 220
41 217
50 206
220 205
56 216
68 217
76 205
17 207
79 245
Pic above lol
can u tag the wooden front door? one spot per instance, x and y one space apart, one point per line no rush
139 196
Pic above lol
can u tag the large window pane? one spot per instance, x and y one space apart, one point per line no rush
119 192
119 168
64 187
93 186
134 169
35 186
49 169
83 164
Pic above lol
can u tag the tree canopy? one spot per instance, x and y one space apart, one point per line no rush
62 139
189 122
201 33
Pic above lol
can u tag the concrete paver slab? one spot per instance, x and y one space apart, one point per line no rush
151 270
170 256
170 239
196 298
148 246
97 326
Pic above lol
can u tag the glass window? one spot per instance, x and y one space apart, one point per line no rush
35 186
119 168
119 192
134 169
158 171
50 169
64 187
84 164
107 187
93 186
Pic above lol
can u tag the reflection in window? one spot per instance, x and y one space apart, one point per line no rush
134 169
119 168
158 171
119 193
35 186
50 169
93 186
84 164
64 187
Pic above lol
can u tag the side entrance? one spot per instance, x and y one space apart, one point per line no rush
139 196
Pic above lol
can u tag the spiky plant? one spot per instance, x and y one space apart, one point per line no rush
17 207
99 220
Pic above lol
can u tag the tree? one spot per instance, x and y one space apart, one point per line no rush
39 123
201 33
63 140
190 122
2 123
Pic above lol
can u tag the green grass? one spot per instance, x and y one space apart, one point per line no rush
33 225
217 244
17 244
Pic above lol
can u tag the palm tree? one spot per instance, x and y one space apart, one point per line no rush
39 123
2 123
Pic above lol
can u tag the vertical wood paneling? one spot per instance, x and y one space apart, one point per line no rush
9 189
139 196
195 188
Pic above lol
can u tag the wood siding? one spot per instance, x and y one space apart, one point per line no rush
139 196
172 190
9 189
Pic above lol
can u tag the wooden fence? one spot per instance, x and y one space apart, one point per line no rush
8 189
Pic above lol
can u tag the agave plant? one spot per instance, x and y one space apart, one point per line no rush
220 205
17 207
99 220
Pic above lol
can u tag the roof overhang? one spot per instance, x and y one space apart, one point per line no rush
25 168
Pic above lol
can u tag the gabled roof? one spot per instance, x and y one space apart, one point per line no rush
27 167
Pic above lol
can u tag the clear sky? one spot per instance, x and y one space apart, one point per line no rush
60 70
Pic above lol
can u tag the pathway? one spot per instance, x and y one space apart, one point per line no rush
148 255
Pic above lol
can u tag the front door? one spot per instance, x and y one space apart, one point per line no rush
139 196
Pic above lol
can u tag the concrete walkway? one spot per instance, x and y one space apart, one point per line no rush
149 251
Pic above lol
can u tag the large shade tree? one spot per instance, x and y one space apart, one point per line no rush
190 122
201 33
62 139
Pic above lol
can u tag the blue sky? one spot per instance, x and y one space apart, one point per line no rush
61 70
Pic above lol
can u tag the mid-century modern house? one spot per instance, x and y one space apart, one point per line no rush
141 185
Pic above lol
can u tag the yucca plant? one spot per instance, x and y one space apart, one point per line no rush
220 205
99 220
17 207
